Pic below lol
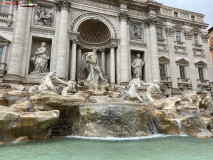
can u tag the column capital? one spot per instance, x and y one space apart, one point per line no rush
63 5
114 43
170 31
74 37
151 21
123 15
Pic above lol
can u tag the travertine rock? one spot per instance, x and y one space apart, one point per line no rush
15 123
48 100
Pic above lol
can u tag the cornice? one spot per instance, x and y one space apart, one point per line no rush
185 21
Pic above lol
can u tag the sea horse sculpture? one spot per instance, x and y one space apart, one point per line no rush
133 93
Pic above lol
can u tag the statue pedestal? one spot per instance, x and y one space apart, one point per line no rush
35 77
95 89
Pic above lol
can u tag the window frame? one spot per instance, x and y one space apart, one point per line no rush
185 71
159 33
178 37
165 70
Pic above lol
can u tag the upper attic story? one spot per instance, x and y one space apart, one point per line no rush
166 12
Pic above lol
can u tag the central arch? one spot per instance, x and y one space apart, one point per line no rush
95 30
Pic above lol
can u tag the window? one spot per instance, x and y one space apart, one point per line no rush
182 72
176 14
159 34
4 8
178 36
163 70
193 18
201 73
196 39
1 52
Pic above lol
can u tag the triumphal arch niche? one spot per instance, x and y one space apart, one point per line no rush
89 31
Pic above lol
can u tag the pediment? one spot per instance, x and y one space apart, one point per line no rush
182 61
201 63
3 40
164 59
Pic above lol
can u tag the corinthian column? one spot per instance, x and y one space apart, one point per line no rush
18 43
62 51
103 60
155 71
124 48
73 60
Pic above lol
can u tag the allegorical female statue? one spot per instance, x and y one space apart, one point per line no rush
137 66
40 59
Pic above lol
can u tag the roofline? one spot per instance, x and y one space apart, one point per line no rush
201 14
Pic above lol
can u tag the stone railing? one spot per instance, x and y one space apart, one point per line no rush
182 14
165 79
203 82
184 80
6 17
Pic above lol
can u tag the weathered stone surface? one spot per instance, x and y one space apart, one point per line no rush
48 100
115 119
20 88
25 106
15 123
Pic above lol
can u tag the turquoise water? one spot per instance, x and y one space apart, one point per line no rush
169 148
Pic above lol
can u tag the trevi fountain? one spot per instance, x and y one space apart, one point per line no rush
90 116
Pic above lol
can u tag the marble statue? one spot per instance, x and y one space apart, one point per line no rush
133 93
69 89
44 18
153 90
40 59
137 66
47 85
93 67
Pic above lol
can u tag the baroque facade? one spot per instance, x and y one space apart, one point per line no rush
172 43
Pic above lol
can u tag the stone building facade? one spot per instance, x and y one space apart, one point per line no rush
211 40
172 42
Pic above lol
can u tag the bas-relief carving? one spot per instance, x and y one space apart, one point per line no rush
96 4
44 16
136 12
40 59
170 31
136 31
188 34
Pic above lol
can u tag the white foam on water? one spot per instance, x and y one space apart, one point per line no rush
126 138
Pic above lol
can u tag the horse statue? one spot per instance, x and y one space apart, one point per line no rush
133 93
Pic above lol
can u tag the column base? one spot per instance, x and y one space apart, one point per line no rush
10 78
124 83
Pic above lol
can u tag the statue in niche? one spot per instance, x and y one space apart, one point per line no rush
40 59
93 67
137 66
43 17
